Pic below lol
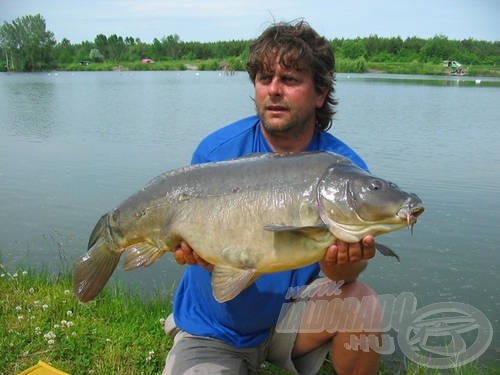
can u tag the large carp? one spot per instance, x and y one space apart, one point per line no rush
248 216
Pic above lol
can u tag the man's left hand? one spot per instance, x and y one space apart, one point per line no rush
343 252
345 261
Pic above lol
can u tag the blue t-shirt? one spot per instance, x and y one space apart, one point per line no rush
246 320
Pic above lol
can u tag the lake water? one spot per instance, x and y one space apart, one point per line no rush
74 145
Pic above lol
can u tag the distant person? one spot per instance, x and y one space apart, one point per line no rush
292 69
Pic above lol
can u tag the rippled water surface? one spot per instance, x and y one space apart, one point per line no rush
74 145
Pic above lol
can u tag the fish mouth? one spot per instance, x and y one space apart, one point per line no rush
410 212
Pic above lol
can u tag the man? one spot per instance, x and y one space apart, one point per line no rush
291 67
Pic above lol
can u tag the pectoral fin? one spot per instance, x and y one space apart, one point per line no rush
384 250
141 254
228 282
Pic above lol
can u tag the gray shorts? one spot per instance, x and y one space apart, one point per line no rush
204 355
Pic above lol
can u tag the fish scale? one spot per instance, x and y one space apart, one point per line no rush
248 216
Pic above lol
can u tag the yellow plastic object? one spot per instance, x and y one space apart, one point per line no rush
41 368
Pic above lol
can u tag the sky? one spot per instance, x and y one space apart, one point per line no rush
222 20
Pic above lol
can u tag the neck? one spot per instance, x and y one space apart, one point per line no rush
288 141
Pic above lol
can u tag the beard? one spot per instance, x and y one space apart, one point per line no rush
286 124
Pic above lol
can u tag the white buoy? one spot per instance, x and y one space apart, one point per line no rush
478 81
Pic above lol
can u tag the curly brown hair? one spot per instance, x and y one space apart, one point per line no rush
298 46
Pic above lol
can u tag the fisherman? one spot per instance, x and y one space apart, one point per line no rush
292 69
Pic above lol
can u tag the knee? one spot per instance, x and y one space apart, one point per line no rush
362 304
359 290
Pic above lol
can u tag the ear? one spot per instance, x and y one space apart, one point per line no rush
321 97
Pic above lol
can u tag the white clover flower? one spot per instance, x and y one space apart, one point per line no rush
108 340
56 326
67 292
36 303
49 336
73 333
31 290
14 275
50 342
20 317
69 313
38 330
69 324
162 321
25 273
45 306
18 308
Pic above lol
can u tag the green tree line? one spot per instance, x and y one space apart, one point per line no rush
27 45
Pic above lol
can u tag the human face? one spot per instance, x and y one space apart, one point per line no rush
286 101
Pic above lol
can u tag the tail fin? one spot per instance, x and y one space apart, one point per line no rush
93 270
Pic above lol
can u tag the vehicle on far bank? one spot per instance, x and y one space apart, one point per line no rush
454 67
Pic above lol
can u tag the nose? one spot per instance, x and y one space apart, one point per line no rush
274 87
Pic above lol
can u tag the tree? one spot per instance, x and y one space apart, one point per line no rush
352 49
101 43
26 44
116 46
438 48
95 55
171 46
64 51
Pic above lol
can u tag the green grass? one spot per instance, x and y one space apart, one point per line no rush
118 333
42 320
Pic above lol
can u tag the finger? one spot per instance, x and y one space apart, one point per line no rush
330 257
355 251
369 249
188 253
179 257
342 252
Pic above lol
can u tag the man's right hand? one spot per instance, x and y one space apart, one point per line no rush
184 254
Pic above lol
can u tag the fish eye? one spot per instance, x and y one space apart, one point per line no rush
375 185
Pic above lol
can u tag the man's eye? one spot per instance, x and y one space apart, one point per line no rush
289 79
264 78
